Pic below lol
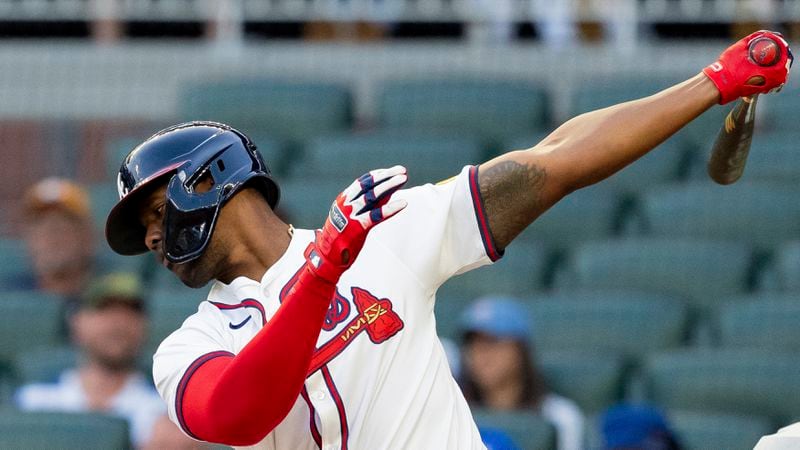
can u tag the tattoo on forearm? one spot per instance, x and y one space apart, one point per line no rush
512 197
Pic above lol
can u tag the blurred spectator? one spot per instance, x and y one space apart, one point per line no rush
59 236
636 427
497 371
109 329
496 439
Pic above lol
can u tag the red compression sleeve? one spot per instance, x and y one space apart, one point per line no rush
239 400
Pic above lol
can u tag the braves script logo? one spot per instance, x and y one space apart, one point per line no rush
337 312
375 317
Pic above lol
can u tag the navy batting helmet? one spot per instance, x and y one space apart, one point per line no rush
181 156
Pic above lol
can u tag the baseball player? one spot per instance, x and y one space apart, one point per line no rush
326 339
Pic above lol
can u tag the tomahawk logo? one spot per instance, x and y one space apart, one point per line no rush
375 318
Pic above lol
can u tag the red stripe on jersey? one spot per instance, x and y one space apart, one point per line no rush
339 405
480 214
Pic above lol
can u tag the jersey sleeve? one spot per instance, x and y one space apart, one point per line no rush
443 231
196 342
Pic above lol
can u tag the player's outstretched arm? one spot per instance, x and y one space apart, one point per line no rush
519 186
238 400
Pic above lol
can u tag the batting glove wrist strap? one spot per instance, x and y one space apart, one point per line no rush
740 72
364 204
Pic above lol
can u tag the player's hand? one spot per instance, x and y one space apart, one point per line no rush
361 206
737 75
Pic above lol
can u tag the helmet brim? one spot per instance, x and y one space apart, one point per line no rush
124 230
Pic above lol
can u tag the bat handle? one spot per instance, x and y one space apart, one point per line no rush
730 150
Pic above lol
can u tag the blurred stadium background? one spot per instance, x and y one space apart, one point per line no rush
654 285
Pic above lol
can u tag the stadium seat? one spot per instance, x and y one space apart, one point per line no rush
305 204
428 157
528 430
280 108
492 109
729 381
703 272
167 309
784 274
777 112
14 263
762 214
590 213
610 323
761 321
102 197
593 381
703 430
667 163
44 365
522 141
79 431
601 92
518 273
116 151
772 158
31 319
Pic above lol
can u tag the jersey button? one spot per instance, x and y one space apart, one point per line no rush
317 395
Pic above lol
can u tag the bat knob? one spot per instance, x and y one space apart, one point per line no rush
764 51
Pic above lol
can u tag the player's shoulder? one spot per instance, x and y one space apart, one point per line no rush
436 189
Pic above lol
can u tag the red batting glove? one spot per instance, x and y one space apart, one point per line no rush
734 71
361 206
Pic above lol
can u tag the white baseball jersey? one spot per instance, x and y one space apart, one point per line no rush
379 378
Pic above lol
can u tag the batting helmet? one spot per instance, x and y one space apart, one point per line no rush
181 156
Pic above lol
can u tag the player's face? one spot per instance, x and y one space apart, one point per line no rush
493 362
195 273
111 336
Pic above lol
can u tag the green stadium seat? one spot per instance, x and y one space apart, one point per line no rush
14 263
44 365
522 142
284 109
493 109
102 197
703 272
601 92
529 431
305 203
703 431
592 381
772 158
31 319
116 151
167 309
591 213
761 321
777 112
615 324
667 163
520 272
428 157
728 381
784 274
67 431
762 214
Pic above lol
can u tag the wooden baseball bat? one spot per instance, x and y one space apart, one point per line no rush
730 149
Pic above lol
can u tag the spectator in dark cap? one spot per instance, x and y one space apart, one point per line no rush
109 329
498 370
636 427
